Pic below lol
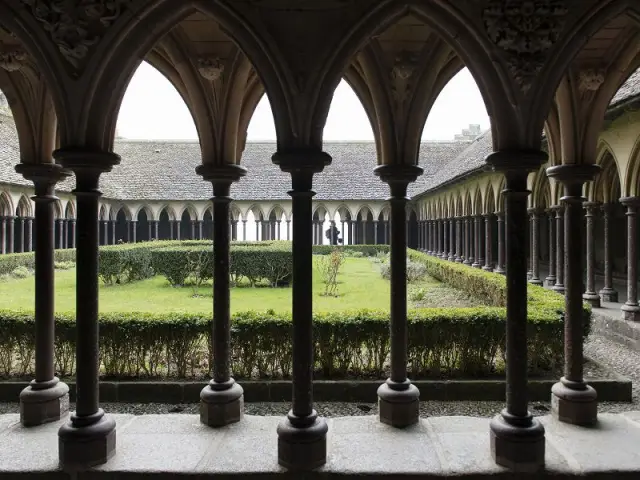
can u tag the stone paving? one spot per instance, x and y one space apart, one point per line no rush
178 445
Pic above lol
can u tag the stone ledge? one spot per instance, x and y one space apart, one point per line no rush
610 324
178 446
617 389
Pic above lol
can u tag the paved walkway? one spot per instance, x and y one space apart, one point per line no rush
178 446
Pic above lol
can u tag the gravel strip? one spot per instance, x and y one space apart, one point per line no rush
618 358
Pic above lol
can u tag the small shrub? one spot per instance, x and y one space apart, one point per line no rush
329 266
64 265
21 272
417 294
385 270
415 271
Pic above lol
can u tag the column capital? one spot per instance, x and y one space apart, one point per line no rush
398 177
534 211
591 208
43 175
516 161
221 176
630 201
607 207
302 164
87 165
573 177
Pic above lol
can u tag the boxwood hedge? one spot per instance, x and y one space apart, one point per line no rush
10 261
452 342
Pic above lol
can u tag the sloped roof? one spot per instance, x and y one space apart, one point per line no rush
630 88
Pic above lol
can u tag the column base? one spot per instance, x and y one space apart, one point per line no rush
467 262
535 281
609 295
576 406
305 447
487 268
81 447
44 402
458 260
476 265
398 408
592 298
499 270
550 281
520 449
558 289
630 312
221 403
451 258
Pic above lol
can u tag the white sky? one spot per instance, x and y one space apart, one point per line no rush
153 109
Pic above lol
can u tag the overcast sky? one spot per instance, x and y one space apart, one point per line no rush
153 109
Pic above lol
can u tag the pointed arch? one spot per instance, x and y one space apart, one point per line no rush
70 210
6 205
23 209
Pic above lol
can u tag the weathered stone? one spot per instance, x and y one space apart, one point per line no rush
302 448
399 408
43 406
521 449
577 407
220 408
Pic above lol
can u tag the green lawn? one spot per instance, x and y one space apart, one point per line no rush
360 286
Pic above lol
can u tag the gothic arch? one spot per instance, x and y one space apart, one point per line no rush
70 210
6 205
490 200
125 210
23 208
171 213
632 183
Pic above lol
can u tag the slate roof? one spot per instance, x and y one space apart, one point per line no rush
630 88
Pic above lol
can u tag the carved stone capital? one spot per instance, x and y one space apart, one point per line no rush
12 60
211 68
590 80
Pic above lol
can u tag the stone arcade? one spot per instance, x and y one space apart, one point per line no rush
552 65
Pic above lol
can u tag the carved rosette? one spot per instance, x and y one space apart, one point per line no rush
76 25
525 31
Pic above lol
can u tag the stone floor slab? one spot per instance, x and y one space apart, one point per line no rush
612 445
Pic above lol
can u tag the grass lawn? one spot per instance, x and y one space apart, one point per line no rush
361 286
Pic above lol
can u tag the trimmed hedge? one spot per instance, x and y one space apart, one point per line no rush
10 261
451 342
366 250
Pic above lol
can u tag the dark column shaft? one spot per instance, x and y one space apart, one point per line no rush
632 252
608 254
398 263
452 239
590 294
501 239
87 366
551 278
559 249
221 292
488 265
535 254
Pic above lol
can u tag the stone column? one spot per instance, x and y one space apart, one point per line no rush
590 295
134 230
375 232
46 399
386 232
113 231
501 240
550 281
3 235
89 439
200 229
222 401
150 229
354 233
73 233
429 237
193 228
631 309
129 236
60 233
445 239
468 259
398 398
477 244
608 293
459 231
278 222
302 436
488 243
517 439
535 253
452 240
21 233
288 230
29 234
171 225
66 233
559 286
572 400
155 229
244 230
11 229
257 230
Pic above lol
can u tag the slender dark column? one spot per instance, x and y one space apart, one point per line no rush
171 224
608 293
429 237
134 230
288 230
517 439
11 228
425 234
535 254
46 399
468 259
550 281
530 248
150 229
445 239
105 231
60 233
631 309
590 295
193 228
452 240
488 242
66 233
476 241
200 228
559 286
353 238
375 232
572 400
398 398
73 233
21 233
128 224
480 233
244 230
29 234
222 401
459 232
3 235
501 241
302 436
155 229
113 231
90 438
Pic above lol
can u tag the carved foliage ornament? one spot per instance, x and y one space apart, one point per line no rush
590 80
403 68
211 68
12 60
76 25
525 30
